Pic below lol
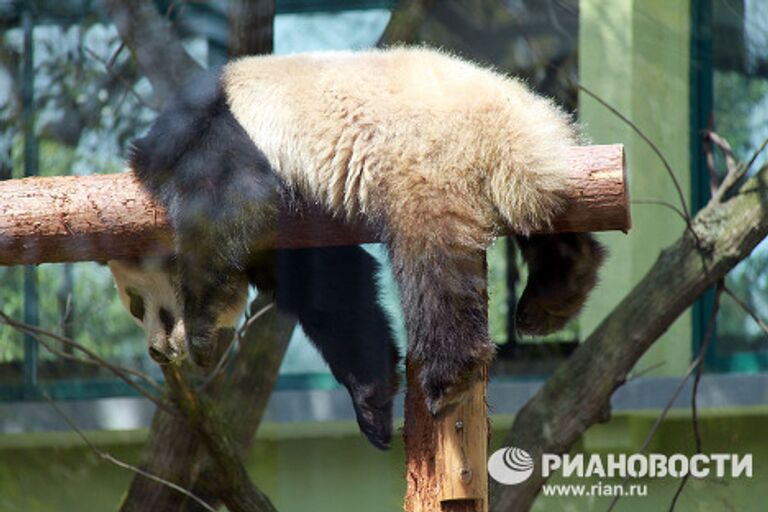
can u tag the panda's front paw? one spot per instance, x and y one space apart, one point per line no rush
443 394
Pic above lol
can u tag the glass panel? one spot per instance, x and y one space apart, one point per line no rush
741 116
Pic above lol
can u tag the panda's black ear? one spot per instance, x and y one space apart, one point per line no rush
136 304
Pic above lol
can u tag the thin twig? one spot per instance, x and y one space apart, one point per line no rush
648 141
71 343
725 149
639 373
251 319
660 202
662 416
72 357
730 181
695 391
755 155
695 366
120 372
709 155
128 86
111 62
747 309
117 462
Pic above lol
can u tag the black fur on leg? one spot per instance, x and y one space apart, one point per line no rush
562 270
333 292
443 294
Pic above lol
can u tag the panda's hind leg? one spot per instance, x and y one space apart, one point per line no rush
437 249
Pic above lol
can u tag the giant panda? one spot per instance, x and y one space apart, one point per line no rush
436 154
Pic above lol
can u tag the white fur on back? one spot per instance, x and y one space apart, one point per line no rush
366 132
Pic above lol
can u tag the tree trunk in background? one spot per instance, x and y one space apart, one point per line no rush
251 27
153 43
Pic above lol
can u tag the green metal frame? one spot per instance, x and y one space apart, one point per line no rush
89 389
310 6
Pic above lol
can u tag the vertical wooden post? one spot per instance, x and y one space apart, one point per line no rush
446 458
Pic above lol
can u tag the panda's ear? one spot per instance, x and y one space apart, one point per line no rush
136 303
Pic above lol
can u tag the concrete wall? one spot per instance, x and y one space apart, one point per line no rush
634 54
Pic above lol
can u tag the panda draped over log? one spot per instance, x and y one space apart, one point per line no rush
435 154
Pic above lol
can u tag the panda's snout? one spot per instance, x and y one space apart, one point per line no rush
158 356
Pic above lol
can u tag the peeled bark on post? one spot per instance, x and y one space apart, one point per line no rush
445 466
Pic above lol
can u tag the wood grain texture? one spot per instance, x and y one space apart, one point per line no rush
101 217
445 458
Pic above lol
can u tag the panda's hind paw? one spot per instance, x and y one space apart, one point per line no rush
442 398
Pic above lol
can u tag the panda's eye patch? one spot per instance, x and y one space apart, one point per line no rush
167 319
136 306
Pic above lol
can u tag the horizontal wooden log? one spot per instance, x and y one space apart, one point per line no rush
101 217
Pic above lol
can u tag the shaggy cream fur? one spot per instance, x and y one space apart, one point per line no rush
406 134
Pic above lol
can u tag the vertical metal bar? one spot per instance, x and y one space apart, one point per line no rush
512 279
31 306
702 106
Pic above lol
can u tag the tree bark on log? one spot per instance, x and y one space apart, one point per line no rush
578 395
101 217
445 458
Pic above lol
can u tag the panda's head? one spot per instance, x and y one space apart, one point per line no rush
147 289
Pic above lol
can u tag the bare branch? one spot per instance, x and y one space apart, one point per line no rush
119 371
732 180
747 309
648 141
239 338
660 202
239 492
128 86
696 381
578 394
117 462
